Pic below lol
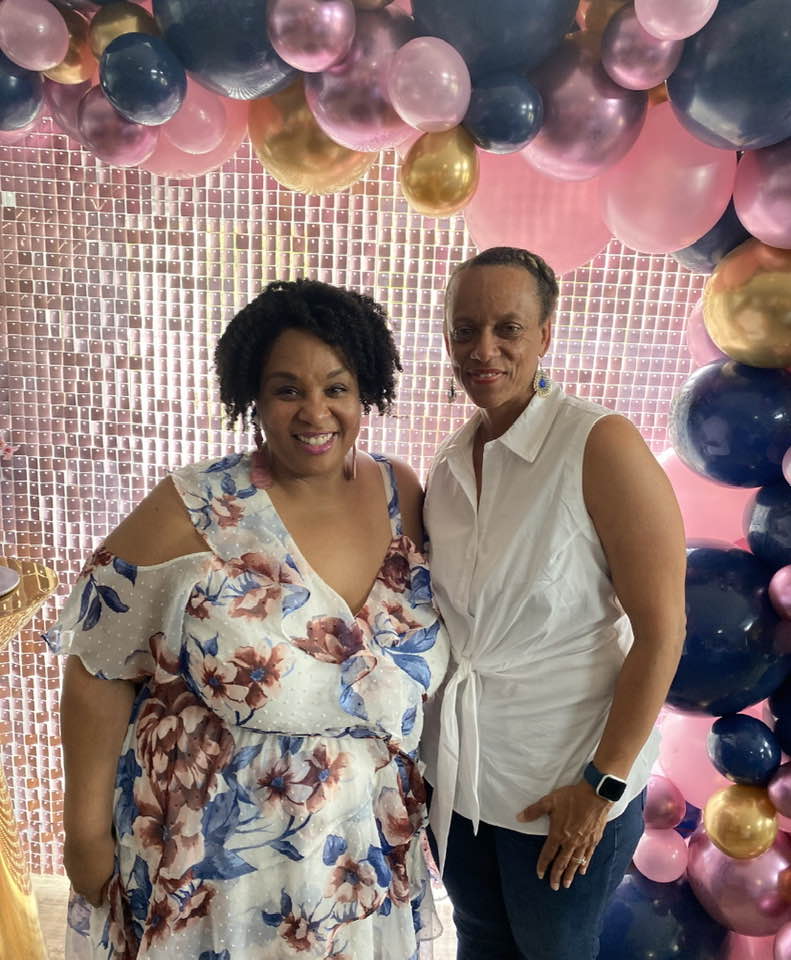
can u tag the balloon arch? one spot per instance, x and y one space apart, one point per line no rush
554 125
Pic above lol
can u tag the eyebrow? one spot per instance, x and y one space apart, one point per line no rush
503 318
285 375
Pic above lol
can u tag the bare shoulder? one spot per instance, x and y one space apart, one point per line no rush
157 530
410 496
615 448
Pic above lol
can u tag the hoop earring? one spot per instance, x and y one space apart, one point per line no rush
350 469
452 389
260 462
541 382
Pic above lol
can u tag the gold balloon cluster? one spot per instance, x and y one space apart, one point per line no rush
741 821
439 174
296 151
747 305
117 18
594 15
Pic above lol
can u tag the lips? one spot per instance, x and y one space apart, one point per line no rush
484 375
315 443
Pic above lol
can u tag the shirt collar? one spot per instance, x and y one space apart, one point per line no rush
524 437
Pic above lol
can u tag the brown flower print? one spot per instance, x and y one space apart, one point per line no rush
395 570
227 510
324 775
353 882
283 784
259 673
331 640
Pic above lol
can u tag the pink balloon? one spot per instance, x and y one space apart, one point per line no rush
168 161
748 948
700 345
350 101
782 944
780 789
780 595
405 5
762 195
63 100
664 804
746 896
429 84
685 759
110 136
670 188
710 510
518 206
311 35
33 33
634 58
787 465
661 855
590 122
199 125
674 19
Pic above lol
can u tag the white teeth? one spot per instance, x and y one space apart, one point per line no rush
317 440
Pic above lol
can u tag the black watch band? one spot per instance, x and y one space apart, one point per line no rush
607 786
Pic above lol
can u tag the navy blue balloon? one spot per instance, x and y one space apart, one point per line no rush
497 35
732 423
735 652
743 749
142 78
782 732
505 113
703 255
21 94
732 87
658 921
780 702
689 824
767 525
225 45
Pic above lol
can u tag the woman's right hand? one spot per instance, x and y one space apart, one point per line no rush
89 863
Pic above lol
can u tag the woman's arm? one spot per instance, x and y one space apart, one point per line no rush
95 712
635 513
410 497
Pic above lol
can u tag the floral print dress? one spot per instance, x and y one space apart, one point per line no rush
268 799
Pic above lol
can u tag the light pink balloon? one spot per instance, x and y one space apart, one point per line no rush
33 33
711 511
700 345
429 84
517 205
674 19
780 595
661 855
762 194
685 759
787 465
738 947
664 804
782 944
199 125
110 136
634 58
670 188
311 35
63 100
168 161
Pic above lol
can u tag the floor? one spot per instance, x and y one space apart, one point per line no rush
52 893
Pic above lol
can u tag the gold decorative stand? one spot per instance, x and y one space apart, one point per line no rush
20 933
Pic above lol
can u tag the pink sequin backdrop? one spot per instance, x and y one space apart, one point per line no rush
114 287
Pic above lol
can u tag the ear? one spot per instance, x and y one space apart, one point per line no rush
546 333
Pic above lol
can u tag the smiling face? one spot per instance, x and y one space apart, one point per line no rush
495 337
308 405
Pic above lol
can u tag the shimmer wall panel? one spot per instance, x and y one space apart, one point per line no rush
114 286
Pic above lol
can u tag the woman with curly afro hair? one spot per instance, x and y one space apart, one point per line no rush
250 652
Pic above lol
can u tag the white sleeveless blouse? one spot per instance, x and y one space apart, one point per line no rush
538 636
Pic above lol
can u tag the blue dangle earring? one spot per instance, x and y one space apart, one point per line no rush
541 382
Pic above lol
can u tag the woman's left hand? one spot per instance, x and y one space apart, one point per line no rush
577 817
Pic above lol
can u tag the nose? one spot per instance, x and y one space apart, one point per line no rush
314 409
485 345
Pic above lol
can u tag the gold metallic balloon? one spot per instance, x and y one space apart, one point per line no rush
79 63
594 15
294 148
741 821
118 18
439 174
747 305
657 94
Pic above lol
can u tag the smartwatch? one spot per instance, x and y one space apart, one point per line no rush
606 785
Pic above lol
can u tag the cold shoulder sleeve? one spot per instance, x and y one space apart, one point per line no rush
117 613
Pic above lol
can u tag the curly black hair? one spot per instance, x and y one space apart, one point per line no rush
348 321
546 282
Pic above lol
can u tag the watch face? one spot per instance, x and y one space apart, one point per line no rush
611 788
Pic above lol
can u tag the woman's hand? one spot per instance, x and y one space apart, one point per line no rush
577 818
89 863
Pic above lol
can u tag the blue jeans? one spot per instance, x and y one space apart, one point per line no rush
501 909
